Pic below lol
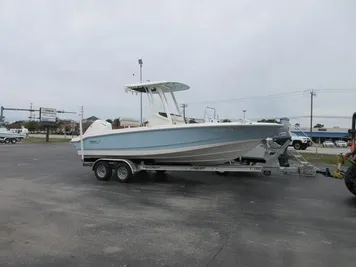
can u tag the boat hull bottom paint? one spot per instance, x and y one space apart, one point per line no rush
196 155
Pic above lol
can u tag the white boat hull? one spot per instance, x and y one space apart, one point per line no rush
203 155
198 144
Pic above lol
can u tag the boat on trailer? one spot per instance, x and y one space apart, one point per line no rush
167 138
13 135
168 143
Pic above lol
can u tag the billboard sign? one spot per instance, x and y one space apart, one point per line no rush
48 115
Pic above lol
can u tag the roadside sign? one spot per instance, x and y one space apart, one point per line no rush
48 115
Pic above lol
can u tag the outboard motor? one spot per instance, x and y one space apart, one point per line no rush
281 138
99 126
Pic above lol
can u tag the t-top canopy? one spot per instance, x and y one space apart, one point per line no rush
166 87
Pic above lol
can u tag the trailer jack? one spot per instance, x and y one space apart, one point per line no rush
337 173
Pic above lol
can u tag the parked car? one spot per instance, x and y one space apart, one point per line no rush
328 144
299 142
340 143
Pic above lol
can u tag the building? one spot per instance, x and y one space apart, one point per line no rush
127 122
285 121
92 118
321 134
318 135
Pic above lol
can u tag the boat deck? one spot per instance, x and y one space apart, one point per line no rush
55 213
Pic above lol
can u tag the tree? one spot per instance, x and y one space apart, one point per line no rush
16 125
226 120
318 125
109 121
67 128
32 126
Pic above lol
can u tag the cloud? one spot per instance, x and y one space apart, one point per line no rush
66 54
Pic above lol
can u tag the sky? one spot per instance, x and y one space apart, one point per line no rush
68 54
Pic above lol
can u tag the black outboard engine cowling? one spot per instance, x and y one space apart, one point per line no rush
281 138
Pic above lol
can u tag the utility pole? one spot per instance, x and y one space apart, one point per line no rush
140 62
312 95
31 117
184 106
82 113
244 111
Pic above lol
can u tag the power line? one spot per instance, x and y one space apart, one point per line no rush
337 89
306 116
321 117
319 91
248 98
335 92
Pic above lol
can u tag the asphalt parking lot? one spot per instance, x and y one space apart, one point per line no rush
55 213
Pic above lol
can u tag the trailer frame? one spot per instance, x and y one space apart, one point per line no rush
124 169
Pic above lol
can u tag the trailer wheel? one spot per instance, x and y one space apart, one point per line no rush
103 170
13 141
6 141
267 173
350 179
123 172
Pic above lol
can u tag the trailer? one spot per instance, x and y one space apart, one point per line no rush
9 140
125 169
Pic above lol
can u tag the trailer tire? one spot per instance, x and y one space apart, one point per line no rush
6 141
350 179
13 141
102 171
123 172
267 173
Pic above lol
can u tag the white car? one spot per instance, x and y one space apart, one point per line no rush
340 143
328 144
299 142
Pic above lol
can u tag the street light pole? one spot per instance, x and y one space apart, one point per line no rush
184 106
140 62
